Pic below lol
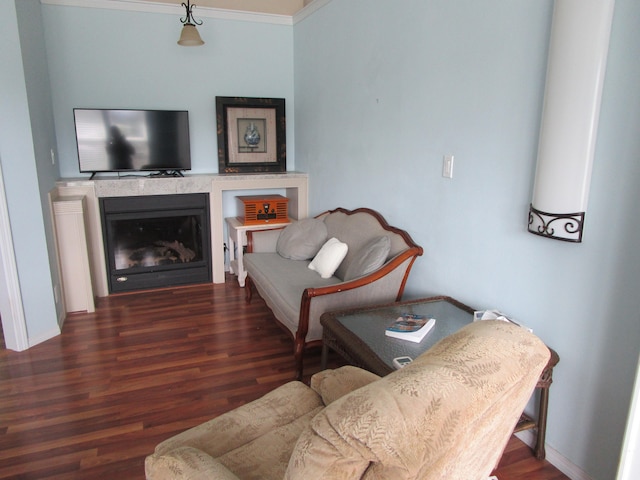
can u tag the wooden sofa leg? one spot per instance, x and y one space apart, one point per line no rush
248 291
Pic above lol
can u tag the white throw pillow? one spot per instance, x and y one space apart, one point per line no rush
329 258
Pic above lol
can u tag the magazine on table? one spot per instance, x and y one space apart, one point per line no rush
411 327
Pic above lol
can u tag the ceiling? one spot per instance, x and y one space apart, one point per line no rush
277 7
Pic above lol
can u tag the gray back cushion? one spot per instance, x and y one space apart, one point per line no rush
355 230
301 240
369 257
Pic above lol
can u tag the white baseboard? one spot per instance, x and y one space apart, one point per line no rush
555 458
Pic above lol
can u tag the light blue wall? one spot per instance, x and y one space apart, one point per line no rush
38 86
23 152
385 89
122 59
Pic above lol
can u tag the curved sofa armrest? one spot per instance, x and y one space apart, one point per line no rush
382 286
185 463
259 241
404 259
333 384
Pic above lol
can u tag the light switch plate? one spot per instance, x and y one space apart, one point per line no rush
447 166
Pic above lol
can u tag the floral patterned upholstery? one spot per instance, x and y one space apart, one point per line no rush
447 415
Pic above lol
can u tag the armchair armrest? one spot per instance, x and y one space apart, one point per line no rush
186 463
242 425
333 384
263 240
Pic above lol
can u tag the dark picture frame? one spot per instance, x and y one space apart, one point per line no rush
251 135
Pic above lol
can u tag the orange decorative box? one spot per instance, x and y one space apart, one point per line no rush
263 209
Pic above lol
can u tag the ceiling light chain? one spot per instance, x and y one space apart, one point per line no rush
189 18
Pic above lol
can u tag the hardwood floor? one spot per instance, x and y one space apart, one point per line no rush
94 401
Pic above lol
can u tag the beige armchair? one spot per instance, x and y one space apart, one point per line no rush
448 415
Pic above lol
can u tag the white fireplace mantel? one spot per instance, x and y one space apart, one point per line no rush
294 183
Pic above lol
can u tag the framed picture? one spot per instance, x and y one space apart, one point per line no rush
251 135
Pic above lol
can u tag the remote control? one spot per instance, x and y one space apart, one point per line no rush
400 362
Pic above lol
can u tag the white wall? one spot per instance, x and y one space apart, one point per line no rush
385 89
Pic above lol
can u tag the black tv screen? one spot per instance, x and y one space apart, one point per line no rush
132 140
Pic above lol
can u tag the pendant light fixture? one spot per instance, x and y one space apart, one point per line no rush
190 36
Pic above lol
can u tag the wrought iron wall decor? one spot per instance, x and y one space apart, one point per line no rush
546 225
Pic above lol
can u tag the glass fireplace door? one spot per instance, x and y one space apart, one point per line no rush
156 241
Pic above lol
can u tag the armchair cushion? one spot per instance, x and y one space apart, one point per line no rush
333 384
302 239
252 441
187 463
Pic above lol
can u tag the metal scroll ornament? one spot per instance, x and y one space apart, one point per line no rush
560 226
252 136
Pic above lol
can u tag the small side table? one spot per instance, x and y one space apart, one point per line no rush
237 232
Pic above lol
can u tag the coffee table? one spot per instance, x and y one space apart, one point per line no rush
358 336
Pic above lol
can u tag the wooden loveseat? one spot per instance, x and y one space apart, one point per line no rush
375 269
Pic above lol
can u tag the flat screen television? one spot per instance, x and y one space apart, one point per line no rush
132 140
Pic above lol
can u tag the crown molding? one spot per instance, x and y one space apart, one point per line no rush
157 7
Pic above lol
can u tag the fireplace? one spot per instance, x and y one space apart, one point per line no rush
156 240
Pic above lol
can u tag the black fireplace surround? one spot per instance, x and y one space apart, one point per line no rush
156 241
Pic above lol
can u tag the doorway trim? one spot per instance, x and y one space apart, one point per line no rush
14 323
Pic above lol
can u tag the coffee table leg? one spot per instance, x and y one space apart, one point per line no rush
539 449
323 357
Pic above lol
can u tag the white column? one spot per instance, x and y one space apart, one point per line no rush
575 74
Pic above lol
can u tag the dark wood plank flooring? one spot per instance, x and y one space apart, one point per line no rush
94 401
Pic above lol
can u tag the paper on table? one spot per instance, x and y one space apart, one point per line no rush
496 315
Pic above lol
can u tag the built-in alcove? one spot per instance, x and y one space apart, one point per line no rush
88 194
156 240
